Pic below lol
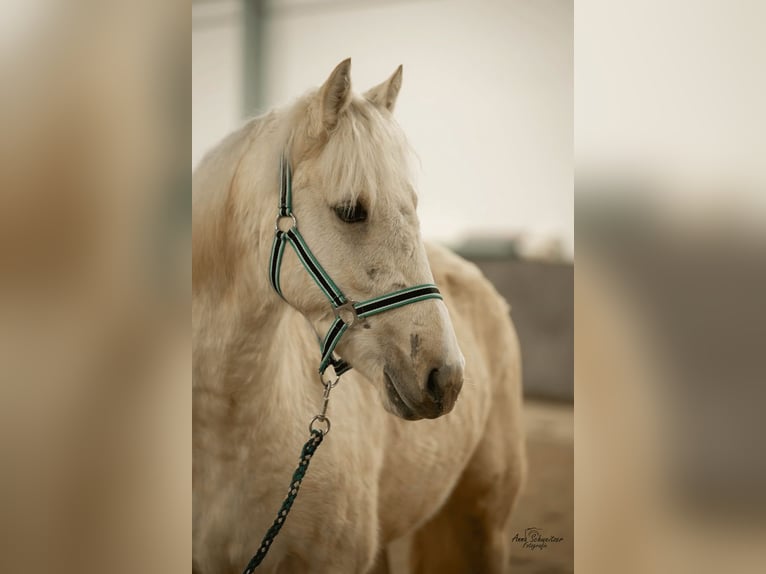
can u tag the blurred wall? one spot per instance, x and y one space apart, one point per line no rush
486 100
218 34
542 309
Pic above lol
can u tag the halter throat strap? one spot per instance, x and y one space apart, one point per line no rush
347 312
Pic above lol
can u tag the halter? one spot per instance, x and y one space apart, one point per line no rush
347 311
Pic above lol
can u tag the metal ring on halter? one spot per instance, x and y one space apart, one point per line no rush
279 217
347 307
321 419
331 384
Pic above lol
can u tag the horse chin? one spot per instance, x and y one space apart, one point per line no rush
395 404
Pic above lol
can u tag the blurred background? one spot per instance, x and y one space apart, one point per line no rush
670 376
486 102
95 394
487 105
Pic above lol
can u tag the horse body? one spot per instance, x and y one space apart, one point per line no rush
376 477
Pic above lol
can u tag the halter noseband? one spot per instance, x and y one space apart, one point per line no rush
346 311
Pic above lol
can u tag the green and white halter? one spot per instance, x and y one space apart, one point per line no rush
347 312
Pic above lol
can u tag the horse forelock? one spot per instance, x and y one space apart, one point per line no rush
366 156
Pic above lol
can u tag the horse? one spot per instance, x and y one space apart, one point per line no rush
427 440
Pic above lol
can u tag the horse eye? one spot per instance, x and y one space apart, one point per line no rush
351 212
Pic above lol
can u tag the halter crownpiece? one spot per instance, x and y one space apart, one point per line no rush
347 312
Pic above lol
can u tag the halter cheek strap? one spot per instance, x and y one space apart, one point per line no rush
347 312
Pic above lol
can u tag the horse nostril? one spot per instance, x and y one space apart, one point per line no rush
434 386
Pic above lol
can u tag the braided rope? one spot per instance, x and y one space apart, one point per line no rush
300 472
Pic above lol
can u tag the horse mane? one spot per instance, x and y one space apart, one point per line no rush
215 203
212 208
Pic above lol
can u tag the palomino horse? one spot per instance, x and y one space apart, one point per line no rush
404 458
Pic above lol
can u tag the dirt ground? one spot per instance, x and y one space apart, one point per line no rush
548 501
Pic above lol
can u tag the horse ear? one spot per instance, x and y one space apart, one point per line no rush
335 94
384 95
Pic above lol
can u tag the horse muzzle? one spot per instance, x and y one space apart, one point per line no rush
429 396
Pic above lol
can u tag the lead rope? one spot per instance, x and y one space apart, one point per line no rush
347 313
308 451
317 435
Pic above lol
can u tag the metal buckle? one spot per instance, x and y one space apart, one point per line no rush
346 309
320 420
330 377
280 217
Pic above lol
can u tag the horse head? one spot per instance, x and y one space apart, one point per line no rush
356 206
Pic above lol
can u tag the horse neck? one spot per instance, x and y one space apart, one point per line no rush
252 363
251 349
248 342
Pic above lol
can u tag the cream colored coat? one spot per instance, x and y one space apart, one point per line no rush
448 483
